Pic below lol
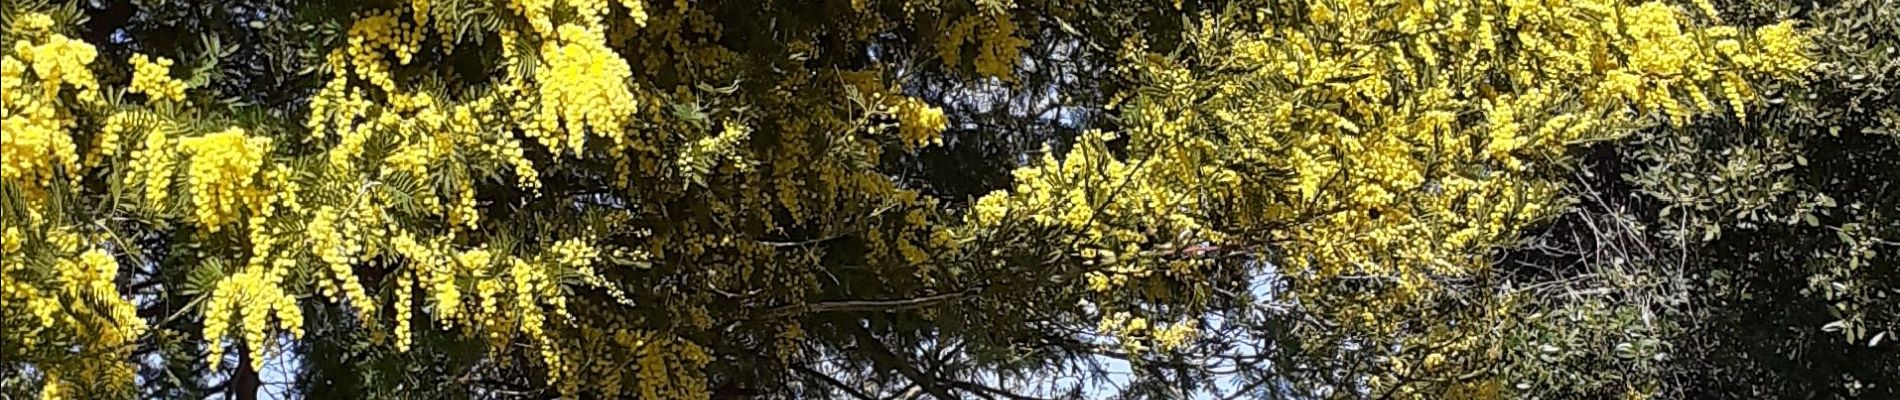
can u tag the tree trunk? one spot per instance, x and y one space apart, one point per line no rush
244 382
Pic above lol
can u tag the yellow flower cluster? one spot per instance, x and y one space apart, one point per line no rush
431 270
574 253
47 269
583 88
1120 211
224 175
1665 56
336 239
38 140
509 150
337 107
661 359
436 273
92 275
1137 335
919 123
19 291
152 167
33 23
663 366
426 134
991 209
537 12
702 155
1781 50
533 289
151 76
1170 337
50 390
636 10
99 337
61 61
257 296
107 144
578 88
1372 141
373 35
579 256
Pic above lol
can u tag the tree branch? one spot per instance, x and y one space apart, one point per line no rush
883 357
977 387
869 305
827 379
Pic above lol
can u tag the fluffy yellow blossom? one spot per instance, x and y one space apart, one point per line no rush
1781 50
636 10
106 330
374 36
151 76
224 175
336 238
533 289
574 253
702 155
107 144
256 296
1174 336
583 89
510 152
39 140
11 241
660 360
536 11
59 62
152 168
919 123
36 145
34 22
94 272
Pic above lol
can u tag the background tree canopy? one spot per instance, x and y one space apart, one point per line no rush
995 199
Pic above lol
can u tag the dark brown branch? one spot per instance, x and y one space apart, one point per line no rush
869 305
827 379
883 357
977 387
